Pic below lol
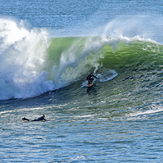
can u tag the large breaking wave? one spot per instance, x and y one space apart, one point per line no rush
22 58
31 63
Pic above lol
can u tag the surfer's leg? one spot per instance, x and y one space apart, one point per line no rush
91 81
25 119
35 120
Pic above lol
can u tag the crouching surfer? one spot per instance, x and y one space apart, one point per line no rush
42 118
90 78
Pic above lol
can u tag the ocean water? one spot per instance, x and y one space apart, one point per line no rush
47 49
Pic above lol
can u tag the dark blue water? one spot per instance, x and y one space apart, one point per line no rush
43 71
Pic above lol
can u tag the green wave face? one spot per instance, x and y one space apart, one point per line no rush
72 58
130 70
138 55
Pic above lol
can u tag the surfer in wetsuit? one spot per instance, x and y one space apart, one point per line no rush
42 118
90 78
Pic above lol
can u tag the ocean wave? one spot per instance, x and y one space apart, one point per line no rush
31 63
22 58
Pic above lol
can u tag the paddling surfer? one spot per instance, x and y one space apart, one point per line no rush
42 118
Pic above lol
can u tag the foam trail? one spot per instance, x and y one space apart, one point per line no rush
108 75
139 113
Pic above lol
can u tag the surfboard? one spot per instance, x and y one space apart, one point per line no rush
89 85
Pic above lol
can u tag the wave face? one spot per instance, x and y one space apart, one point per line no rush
32 64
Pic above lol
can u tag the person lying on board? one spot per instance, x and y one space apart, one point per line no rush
42 118
90 79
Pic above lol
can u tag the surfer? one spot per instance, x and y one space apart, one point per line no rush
42 118
90 78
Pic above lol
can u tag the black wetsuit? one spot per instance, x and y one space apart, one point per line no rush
38 119
90 79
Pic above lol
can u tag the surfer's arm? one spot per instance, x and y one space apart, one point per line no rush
95 77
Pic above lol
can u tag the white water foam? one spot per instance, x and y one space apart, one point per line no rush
108 75
22 56
147 112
